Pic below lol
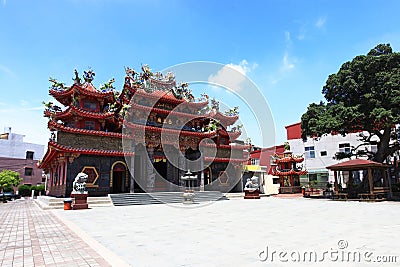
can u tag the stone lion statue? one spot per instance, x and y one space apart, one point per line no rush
252 183
79 184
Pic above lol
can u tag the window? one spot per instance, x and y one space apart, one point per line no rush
324 153
255 161
29 154
373 148
89 105
344 148
312 177
310 152
28 171
89 125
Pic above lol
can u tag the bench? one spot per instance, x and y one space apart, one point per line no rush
366 196
341 196
381 192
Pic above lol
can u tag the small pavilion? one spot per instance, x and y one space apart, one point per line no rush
370 167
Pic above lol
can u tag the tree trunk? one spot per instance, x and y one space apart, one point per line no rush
383 146
380 156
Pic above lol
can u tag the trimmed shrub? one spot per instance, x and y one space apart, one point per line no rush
37 189
24 190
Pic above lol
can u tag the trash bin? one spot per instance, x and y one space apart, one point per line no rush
67 204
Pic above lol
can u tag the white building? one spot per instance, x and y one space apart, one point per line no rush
320 152
22 157
12 145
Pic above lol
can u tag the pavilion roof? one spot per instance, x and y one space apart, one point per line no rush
356 164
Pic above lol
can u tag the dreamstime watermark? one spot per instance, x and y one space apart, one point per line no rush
341 253
155 128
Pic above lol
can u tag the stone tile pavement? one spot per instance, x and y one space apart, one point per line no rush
30 236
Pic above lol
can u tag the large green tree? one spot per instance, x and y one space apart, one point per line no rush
364 95
9 178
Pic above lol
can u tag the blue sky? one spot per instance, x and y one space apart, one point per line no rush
288 48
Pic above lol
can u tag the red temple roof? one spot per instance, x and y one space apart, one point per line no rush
72 111
224 119
87 89
172 131
54 149
231 135
169 97
289 159
224 160
54 125
168 112
232 146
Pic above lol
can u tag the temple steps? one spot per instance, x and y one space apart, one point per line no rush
46 202
162 198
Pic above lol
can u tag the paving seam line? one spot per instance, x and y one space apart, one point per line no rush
107 254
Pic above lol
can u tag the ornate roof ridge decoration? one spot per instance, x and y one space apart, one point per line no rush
81 90
223 118
58 89
72 111
88 75
149 82
169 97
232 135
172 131
54 125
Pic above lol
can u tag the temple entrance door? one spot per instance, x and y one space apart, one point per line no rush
161 175
118 178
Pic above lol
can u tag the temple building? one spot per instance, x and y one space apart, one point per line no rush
143 139
286 167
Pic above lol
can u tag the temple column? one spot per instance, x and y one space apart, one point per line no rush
182 168
132 169
151 176
336 185
202 174
370 180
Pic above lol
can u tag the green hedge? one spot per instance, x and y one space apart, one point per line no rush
38 188
24 190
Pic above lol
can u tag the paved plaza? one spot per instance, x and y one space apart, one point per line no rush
235 232
30 236
267 232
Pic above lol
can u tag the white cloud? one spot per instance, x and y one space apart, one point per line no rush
320 22
7 71
23 103
232 75
302 33
288 40
287 63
